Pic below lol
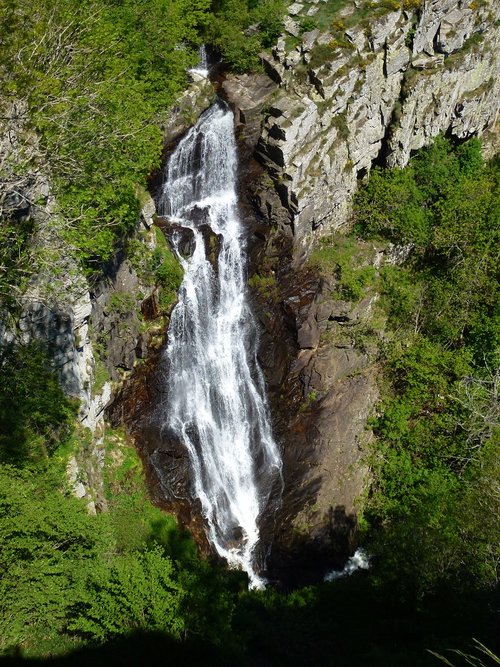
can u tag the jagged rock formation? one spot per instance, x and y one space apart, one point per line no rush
198 97
373 89
91 332
335 103
322 385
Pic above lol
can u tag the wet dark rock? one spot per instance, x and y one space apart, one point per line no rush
308 334
213 243
165 459
187 243
15 205
321 390
177 234
150 307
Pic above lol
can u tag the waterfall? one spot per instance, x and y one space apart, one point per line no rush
215 395
202 69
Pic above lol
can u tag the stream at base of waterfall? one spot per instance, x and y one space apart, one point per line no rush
215 401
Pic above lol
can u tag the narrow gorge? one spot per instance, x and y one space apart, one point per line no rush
333 104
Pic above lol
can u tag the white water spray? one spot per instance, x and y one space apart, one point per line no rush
201 69
359 561
215 395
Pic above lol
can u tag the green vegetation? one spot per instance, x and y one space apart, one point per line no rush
265 285
35 415
432 508
15 259
95 78
168 274
159 267
343 257
121 302
240 30
70 578
326 12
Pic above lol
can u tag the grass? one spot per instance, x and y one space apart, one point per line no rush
157 268
265 286
325 13
101 374
345 259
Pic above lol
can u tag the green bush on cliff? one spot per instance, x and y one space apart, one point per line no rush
168 274
35 415
437 424
96 77
240 30
135 591
341 256
391 206
15 260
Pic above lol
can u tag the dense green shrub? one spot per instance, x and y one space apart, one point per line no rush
69 578
135 591
96 77
436 425
46 542
15 260
35 415
239 30
391 205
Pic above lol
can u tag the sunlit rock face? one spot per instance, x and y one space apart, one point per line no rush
317 126
371 91
307 132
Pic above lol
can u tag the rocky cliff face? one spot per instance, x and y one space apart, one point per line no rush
94 337
372 88
334 103
331 104
91 331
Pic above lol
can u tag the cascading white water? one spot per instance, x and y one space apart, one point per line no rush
201 68
215 395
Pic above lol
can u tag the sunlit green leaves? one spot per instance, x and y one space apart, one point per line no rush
239 30
136 591
96 77
435 426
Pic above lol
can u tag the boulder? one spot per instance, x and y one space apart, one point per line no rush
295 8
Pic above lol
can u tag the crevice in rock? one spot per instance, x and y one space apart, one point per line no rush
385 146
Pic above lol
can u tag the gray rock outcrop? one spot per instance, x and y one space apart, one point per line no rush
373 91
370 91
